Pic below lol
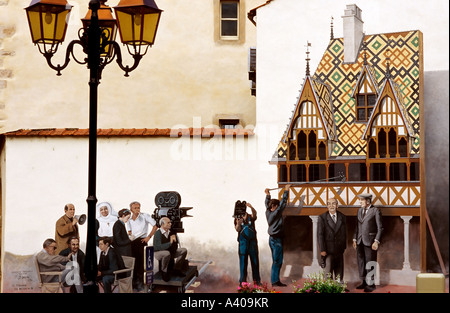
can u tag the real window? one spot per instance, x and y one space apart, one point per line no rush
229 123
229 20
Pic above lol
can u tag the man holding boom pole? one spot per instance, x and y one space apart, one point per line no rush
274 215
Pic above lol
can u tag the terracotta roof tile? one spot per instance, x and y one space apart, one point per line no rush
148 132
69 131
58 132
138 132
130 132
23 132
103 132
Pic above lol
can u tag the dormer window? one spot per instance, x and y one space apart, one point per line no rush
365 93
364 106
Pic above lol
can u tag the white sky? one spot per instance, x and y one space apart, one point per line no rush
431 17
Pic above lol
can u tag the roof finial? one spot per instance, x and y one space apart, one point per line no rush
388 60
308 44
332 34
365 52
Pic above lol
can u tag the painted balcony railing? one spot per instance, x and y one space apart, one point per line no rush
395 198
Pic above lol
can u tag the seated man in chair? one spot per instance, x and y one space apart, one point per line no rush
77 258
110 261
172 259
49 261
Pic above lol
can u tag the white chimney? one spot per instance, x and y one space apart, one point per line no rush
353 32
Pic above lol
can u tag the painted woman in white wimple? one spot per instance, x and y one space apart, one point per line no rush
106 217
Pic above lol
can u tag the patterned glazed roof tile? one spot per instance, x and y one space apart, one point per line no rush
404 50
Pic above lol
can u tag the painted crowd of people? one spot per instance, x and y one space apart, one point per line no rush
331 235
128 231
122 233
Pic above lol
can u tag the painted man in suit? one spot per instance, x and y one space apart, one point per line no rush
332 237
366 240
110 261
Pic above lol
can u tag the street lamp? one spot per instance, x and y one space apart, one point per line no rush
137 23
107 23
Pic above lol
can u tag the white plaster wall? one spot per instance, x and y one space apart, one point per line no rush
44 174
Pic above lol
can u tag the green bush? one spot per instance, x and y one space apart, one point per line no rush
318 283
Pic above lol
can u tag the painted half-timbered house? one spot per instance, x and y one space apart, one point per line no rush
355 129
359 121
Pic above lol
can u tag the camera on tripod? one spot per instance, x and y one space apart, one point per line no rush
168 205
240 208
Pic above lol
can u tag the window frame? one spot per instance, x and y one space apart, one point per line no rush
237 20
366 107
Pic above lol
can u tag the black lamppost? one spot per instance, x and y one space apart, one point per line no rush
137 22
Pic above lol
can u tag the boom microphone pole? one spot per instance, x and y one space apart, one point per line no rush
341 176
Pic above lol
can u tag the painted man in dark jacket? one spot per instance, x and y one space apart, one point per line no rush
332 237
248 245
167 251
77 258
110 261
274 215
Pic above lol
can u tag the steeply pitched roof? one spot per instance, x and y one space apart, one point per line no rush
252 13
405 52
322 95
398 100
406 59
369 72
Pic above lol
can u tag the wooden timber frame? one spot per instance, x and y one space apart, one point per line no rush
394 199
423 202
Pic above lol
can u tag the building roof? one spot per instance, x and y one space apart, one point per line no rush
252 13
130 132
404 51
398 100
322 95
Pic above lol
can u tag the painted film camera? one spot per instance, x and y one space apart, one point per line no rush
168 204
239 209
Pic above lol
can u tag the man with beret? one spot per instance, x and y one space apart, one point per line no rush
366 239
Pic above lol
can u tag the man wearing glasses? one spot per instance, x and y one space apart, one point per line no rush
49 261
332 238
